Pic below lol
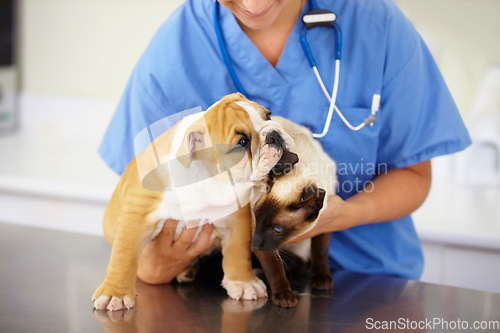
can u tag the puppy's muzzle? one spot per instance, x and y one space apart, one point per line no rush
275 140
273 143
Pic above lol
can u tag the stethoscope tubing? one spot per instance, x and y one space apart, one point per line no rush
332 100
224 52
312 63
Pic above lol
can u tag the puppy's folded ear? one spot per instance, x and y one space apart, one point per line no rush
195 140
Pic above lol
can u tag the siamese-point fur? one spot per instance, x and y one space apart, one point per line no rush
291 206
236 145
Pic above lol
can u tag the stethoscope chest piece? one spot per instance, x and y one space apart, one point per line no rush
319 18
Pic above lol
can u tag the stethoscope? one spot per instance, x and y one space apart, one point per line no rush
314 18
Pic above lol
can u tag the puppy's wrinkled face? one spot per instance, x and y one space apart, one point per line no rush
240 136
290 208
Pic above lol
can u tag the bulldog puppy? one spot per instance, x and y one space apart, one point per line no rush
208 167
290 207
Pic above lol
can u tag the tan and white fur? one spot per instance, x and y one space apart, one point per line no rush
148 193
291 206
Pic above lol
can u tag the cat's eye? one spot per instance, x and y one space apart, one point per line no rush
278 229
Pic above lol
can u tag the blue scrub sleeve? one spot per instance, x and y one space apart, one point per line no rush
136 110
420 118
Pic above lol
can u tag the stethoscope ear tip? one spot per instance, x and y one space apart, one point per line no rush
319 17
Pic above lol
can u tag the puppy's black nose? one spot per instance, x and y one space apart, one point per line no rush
275 139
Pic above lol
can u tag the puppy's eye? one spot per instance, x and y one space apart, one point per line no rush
244 141
278 229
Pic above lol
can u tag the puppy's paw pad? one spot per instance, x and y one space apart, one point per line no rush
101 302
109 298
114 303
322 282
245 289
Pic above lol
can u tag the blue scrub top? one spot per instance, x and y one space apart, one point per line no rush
382 53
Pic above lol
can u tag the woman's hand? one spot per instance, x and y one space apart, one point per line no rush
162 259
390 196
328 220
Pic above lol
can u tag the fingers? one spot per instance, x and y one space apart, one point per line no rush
167 233
165 256
186 240
186 237
204 240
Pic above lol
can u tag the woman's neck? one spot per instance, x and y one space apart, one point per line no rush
271 40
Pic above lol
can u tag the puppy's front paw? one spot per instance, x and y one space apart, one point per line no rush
322 282
107 297
244 289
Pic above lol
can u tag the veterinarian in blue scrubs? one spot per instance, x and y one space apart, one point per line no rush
384 170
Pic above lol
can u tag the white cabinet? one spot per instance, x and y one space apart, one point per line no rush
461 266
